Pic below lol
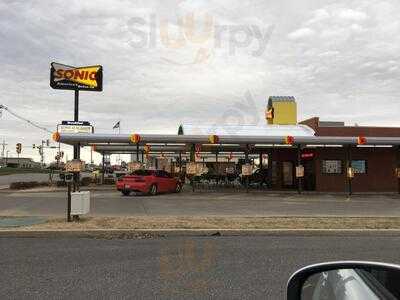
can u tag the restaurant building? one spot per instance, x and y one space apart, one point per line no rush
311 155
374 167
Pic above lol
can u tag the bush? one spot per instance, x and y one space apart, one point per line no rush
21 185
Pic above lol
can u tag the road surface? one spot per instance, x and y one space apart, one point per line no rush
112 203
173 268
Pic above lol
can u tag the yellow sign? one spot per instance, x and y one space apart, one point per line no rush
247 170
133 166
76 78
299 171
75 166
193 168
350 172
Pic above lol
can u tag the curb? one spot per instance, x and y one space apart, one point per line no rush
157 233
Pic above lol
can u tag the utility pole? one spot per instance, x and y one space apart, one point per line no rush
41 153
3 148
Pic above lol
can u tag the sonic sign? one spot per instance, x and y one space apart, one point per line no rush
65 77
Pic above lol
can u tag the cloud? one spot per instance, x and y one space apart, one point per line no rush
337 59
352 15
301 33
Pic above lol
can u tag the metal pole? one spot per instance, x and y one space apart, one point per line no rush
180 162
299 179
69 203
137 151
216 166
350 191
77 146
103 169
246 159
398 166
192 159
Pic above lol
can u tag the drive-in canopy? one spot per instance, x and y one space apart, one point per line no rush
129 139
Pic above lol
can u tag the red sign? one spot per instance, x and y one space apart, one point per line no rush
307 155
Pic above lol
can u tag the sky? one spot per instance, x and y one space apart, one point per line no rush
200 62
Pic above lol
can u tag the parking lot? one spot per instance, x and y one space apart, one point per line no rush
255 203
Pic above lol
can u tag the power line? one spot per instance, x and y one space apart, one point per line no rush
22 118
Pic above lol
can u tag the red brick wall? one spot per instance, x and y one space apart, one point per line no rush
380 177
351 130
358 131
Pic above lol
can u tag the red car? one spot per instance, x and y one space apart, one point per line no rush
148 181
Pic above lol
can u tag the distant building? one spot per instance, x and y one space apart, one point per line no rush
22 162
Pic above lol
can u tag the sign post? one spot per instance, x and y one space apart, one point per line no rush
398 169
299 170
77 148
73 167
64 77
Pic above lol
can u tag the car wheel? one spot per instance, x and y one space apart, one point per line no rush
153 190
178 188
126 192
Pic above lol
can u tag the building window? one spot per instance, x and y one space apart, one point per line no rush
359 166
332 167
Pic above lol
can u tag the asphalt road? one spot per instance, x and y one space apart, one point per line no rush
112 203
173 268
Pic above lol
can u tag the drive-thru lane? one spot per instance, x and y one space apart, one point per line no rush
112 203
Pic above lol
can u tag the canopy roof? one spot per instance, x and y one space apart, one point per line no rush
243 130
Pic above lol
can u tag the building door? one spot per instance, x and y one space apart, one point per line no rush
309 175
275 175
287 174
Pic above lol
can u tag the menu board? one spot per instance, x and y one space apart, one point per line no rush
332 166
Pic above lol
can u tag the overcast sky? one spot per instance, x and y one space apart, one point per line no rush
167 62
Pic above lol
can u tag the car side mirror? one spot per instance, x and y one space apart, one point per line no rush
345 280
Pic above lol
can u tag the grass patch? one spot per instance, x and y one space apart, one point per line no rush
89 223
10 171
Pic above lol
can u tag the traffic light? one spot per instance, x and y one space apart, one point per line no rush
18 148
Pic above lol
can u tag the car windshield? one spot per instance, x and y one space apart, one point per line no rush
142 172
